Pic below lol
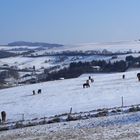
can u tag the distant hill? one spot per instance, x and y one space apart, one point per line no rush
41 44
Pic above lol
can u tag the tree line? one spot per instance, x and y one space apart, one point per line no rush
75 69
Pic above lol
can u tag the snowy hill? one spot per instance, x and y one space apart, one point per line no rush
58 96
41 58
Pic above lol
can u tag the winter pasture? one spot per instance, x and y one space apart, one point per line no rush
59 96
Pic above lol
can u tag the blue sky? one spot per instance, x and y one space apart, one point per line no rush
69 21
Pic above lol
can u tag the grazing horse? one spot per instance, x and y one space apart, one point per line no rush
33 92
86 85
123 76
39 91
138 76
3 116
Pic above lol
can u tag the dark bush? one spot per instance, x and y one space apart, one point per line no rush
19 125
54 120
73 118
134 109
102 113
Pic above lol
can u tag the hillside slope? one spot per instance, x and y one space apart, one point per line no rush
58 96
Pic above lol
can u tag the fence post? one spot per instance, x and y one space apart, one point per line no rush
70 110
22 117
122 101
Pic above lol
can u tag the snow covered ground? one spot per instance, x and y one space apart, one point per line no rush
48 61
28 62
120 127
59 96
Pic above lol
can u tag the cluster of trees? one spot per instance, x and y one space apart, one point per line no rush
7 74
67 53
89 52
5 54
75 69
133 61
117 66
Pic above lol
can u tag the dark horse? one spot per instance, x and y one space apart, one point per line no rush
138 76
39 91
86 85
123 76
3 116
33 92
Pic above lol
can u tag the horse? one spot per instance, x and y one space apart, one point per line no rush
39 91
3 116
138 76
86 85
123 76
33 92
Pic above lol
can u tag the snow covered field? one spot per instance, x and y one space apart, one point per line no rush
46 62
26 62
59 96
120 127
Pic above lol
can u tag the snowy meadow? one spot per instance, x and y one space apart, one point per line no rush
59 96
